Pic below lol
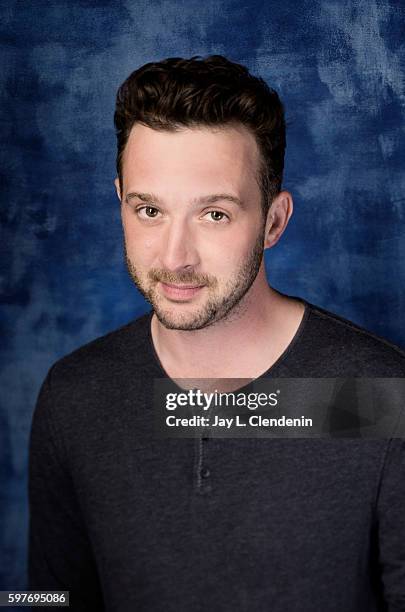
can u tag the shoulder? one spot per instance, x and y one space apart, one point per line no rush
108 356
348 349
100 384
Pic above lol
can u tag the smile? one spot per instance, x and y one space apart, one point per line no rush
180 292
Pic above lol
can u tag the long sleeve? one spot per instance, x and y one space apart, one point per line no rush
391 526
60 555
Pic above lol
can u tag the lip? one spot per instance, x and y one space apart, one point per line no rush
180 292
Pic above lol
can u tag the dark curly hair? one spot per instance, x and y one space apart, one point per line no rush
176 93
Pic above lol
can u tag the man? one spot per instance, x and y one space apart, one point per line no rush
127 521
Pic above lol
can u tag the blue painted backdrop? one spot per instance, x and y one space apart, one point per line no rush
338 67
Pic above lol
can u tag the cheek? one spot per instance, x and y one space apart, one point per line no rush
223 257
142 248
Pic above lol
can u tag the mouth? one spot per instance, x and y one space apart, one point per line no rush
180 292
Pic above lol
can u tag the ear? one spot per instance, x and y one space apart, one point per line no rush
278 217
117 188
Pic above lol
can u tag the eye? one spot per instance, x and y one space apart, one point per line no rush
147 212
217 216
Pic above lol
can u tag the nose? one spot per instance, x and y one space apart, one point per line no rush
179 247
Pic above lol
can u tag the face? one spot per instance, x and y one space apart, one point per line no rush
193 222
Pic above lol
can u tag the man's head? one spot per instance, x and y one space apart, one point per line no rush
200 160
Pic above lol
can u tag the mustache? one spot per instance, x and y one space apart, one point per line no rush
184 276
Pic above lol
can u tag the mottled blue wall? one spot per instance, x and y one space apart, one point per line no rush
338 66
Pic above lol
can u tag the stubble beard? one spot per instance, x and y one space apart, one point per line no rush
216 308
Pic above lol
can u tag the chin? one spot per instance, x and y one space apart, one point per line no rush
182 322
185 319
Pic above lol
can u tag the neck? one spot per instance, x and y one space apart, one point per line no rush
244 344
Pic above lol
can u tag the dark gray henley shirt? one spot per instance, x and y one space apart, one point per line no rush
128 523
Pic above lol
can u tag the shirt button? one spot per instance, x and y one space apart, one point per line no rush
205 472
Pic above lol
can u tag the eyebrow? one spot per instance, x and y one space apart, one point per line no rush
150 198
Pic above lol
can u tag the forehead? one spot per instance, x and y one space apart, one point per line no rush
227 155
